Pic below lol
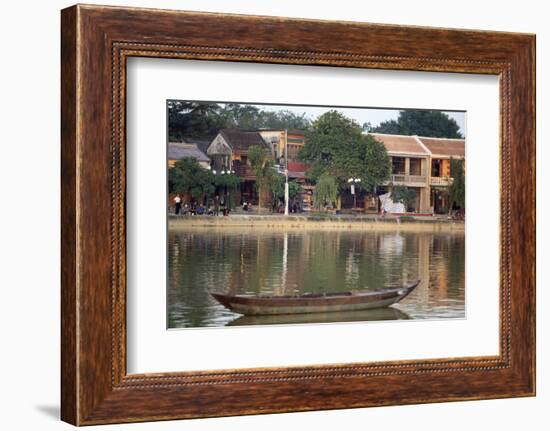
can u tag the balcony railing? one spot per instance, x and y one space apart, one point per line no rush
243 170
403 179
440 181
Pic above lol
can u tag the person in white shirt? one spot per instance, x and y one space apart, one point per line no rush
177 201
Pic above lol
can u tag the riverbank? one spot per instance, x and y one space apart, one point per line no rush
317 222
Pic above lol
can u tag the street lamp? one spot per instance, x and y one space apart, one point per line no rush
353 181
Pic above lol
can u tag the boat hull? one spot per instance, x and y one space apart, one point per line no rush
314 303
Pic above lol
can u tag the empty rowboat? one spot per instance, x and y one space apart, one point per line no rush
314 302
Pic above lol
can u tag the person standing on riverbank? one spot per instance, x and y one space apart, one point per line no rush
177 201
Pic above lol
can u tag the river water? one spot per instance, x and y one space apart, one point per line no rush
264 261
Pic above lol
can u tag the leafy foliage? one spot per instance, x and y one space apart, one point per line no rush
278 187
262 164
193 119
251 117
325 192
336 146
188 176
457 189
423 123
203 120
377 163
231 181
403 194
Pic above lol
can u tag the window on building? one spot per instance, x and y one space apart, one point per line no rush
398 165
415 166
436 168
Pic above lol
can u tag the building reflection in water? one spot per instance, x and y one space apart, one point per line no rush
294 262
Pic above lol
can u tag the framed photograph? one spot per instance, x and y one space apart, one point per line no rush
263 214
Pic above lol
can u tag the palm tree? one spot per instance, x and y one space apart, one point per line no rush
261 162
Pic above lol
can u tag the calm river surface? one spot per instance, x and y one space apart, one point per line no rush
263 261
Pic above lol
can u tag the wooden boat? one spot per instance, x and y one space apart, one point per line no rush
314 302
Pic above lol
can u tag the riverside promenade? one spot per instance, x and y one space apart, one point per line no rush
318 222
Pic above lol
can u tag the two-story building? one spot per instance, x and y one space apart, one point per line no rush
410 160
228 152
423 165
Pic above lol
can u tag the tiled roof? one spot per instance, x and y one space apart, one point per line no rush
296 132
179 150
241 140
444 147
401 144
201 144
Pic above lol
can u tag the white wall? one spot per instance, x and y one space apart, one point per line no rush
29 220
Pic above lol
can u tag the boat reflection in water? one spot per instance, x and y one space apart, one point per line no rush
278 262
375 314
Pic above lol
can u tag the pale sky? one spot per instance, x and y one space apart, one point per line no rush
362 115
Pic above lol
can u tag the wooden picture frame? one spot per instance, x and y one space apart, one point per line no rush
95 43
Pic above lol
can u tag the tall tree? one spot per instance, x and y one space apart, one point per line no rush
187 176
262 164
229 182
193 119
240 116
336 146
203 120
435 124
243 116
284 119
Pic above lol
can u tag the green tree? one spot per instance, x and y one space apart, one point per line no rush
294 189
404 195
336 146
193 119
243 116
240 116
326 191
261 161
457 189
284 120
188 176
377 164
278 187
435 124
203 120
229 183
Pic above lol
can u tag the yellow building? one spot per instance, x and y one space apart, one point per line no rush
276 139
441 152
423 165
